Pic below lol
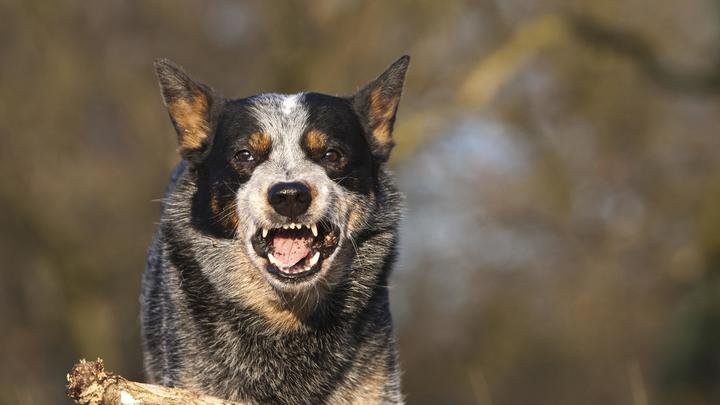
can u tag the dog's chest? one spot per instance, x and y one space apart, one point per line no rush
299 368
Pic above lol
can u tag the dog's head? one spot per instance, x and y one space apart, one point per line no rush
290 179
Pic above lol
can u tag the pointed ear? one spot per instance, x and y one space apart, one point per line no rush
376 105
190 106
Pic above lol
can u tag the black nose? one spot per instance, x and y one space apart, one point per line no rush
289 199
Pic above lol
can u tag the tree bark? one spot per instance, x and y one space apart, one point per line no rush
89 384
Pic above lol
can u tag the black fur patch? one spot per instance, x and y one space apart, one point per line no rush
335 117
219 175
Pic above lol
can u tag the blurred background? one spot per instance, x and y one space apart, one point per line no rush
561 161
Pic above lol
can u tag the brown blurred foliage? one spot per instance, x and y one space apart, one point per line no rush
560 158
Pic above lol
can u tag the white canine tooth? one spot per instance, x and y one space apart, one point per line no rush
272 259
314 259
265 232
285 226
313 228
292 226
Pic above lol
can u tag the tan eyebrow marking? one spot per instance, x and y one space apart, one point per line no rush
260 142
316 140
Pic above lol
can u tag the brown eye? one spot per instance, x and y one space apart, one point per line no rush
244 156
332 156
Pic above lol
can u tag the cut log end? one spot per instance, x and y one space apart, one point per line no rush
89 384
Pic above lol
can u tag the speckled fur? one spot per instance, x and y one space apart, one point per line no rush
213 323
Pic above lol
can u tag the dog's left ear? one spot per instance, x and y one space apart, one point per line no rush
376 105
191 106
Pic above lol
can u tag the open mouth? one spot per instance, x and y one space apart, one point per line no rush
295 251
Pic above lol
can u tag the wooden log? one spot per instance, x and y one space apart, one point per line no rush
89 384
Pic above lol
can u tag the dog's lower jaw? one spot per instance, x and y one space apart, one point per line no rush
292 311
306 301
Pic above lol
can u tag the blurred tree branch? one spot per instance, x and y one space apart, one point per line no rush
488 75
543 32
639 51
538 34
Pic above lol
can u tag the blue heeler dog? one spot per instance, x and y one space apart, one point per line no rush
267 279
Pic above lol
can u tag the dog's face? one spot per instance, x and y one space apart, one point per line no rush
290 178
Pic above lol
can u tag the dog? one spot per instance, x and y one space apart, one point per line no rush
267 279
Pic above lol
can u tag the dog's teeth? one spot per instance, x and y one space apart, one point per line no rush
292 226
314 259
285 226
313 228
264 232
272 259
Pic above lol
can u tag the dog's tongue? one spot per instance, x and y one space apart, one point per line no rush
289 249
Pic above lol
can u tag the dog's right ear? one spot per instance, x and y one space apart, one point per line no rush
190 105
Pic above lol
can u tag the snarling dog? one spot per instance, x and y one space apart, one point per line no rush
267 278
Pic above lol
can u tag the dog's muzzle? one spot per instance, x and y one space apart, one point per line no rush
295 251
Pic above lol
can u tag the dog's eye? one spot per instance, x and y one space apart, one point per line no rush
332 156
244 156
